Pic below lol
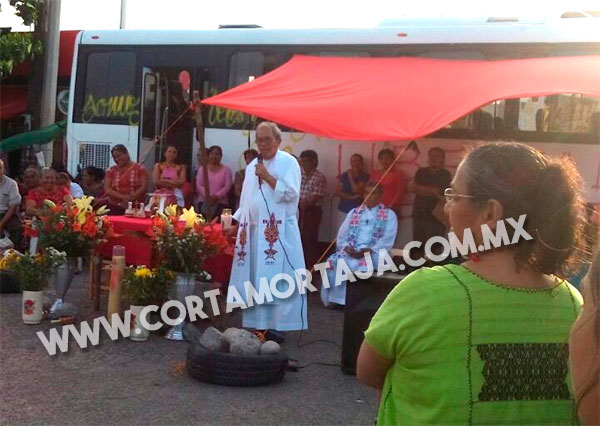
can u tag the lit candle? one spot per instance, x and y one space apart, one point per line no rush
226 219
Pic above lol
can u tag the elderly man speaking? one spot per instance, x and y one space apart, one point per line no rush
268 239
368 228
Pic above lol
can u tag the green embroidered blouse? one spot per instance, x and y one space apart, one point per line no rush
470 351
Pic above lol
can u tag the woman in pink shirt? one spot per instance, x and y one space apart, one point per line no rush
169 177
219 181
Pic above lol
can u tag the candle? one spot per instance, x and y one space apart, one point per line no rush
117 271
226 219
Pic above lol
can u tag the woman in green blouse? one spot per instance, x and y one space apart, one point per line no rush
486 342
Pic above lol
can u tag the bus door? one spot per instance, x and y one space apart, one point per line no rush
166 118
152 115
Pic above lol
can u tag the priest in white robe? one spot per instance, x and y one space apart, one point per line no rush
268 238
370 227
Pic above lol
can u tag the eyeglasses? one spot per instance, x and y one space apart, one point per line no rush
452 197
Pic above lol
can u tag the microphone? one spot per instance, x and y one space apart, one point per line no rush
260 161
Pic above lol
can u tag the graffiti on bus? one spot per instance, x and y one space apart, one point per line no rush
123 107
228 118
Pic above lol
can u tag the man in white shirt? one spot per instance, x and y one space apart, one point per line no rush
268 238
370 227
10 200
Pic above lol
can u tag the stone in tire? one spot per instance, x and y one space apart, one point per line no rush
235 369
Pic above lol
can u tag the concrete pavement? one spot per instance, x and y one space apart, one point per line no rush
126 383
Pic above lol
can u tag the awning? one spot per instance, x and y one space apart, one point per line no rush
41 136
378 99
13 101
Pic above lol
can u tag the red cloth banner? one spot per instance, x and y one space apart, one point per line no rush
379 99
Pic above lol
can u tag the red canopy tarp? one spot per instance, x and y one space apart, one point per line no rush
375 99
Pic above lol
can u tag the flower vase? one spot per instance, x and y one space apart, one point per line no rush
184 286
138 332
62 279
32 306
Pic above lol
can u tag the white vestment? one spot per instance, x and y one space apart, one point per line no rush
264 225
374 228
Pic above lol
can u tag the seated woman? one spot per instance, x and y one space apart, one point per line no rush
64 179
169 177
486 342
93 185
125 182
220 181
31 180
48 190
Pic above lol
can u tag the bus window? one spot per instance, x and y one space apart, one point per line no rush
564 113
109 93
251 64
244 65
490 117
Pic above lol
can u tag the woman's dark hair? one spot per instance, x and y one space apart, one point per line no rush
213 148
252 152
385 152
547 190
360 157
96 173
119 147
310 154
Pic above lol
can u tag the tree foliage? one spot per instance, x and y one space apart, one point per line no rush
19 47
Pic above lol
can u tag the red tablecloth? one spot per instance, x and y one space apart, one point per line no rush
131 233
219 267
139 247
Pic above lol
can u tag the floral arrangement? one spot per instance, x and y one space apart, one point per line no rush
32 271
143 286
185 241
74 229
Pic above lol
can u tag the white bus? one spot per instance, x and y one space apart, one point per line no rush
130 86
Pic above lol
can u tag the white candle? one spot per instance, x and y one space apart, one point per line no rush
226 219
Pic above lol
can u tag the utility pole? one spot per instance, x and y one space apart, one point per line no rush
51 48
123 14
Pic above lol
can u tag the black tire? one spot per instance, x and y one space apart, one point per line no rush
234 369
